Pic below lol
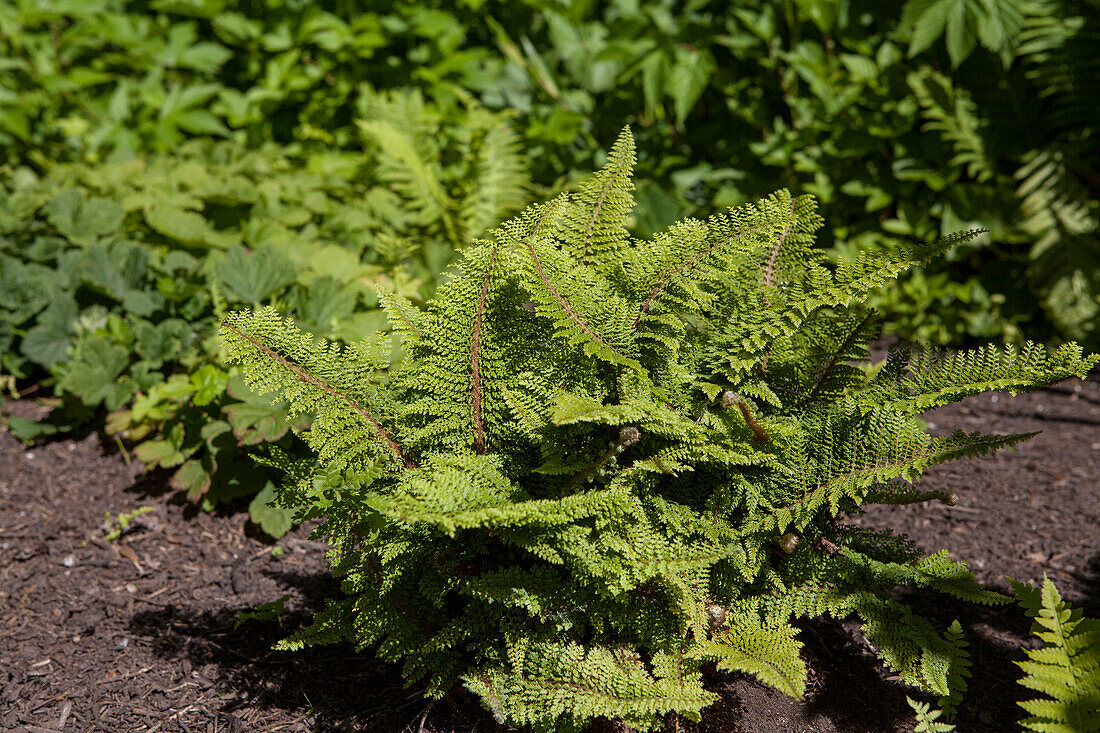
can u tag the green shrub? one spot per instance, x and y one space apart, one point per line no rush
114 276
606 462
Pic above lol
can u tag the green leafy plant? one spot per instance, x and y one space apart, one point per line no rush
928 719
1066 669
114 276
904 120
606 462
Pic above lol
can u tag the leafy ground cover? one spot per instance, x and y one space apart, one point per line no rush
126 635
905 120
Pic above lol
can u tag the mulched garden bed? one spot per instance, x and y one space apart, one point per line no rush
142 634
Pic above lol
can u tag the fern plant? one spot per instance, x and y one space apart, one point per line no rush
604 463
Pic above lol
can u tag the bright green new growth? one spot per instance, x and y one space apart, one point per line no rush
604 463
1066 670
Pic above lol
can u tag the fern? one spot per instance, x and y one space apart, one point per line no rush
928 719
1066 670
604 464
952 113
1056 182
409 161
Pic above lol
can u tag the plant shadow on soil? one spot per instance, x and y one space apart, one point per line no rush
344 690
339 688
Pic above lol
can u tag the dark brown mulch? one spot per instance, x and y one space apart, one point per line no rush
141 634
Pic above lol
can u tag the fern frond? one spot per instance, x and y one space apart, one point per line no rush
928 719
499 184
594 220
769 653
951 112
912 382
337 385
1066 669
402 166
574 684
584 311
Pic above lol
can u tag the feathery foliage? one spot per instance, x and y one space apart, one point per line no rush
605 463
1066 670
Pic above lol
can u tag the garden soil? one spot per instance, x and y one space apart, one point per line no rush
144 633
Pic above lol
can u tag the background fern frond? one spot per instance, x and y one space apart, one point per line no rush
1066 670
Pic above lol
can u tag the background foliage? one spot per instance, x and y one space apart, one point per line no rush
343 136
115 275
905 121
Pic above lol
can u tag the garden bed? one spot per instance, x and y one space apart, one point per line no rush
141 634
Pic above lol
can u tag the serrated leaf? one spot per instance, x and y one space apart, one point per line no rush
162 453
49 341
81 220
94 376
252 277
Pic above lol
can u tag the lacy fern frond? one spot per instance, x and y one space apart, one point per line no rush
500 181
1066 670
337 385
602 465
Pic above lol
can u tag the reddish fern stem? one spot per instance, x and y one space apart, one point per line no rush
831 362
769 271
329 389
475 346
565 304
758 433
475 359
410 325
595 215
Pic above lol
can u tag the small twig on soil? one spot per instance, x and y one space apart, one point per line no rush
106 680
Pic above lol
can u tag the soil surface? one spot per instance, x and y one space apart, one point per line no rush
143 633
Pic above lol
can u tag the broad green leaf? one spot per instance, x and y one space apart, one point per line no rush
163 453
273 520
192 478
253 277
49 340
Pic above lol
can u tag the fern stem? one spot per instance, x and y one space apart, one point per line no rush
769 273
732 399
564 303
328 389
475 359
627 436
769 269
669 275
828 367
